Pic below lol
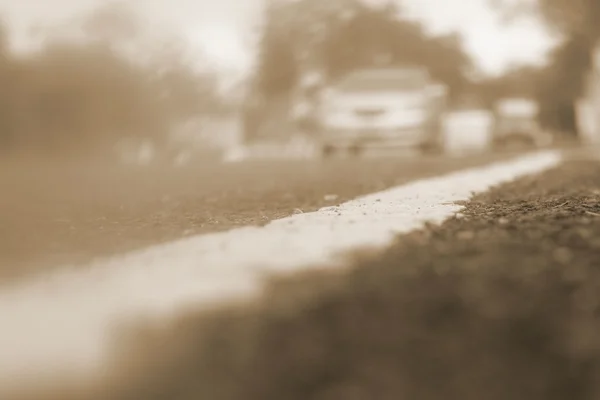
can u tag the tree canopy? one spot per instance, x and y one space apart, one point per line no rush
340 35
97 79
561 84
569 18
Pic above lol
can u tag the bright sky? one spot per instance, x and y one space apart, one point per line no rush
494 45
224 28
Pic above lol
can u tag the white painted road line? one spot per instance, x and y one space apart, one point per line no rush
63 322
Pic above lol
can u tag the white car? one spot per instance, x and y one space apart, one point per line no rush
382 108
517 125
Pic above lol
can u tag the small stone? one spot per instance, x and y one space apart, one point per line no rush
331 197
503 221
298 211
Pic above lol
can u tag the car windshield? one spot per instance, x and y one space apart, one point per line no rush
377 81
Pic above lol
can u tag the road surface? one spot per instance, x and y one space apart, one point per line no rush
498 299
56 214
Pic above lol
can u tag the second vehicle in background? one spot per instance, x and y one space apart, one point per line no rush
517 126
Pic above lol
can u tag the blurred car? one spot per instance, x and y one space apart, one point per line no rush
517 126
382 107
468 131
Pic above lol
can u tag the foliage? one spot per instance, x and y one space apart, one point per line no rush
520 81
87 91
567 17
342 35
576 21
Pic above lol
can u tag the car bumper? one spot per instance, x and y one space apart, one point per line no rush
392 137
537 139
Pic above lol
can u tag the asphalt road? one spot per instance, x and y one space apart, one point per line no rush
500 302
55 214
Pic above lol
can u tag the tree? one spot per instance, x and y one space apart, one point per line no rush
119 79
113 22
4 47
576 22
567 17
7 92
521 81
83 94
338 36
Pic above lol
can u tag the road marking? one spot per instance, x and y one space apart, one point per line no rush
64 322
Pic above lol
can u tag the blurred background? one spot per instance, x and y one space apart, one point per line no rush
187 80
126 124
